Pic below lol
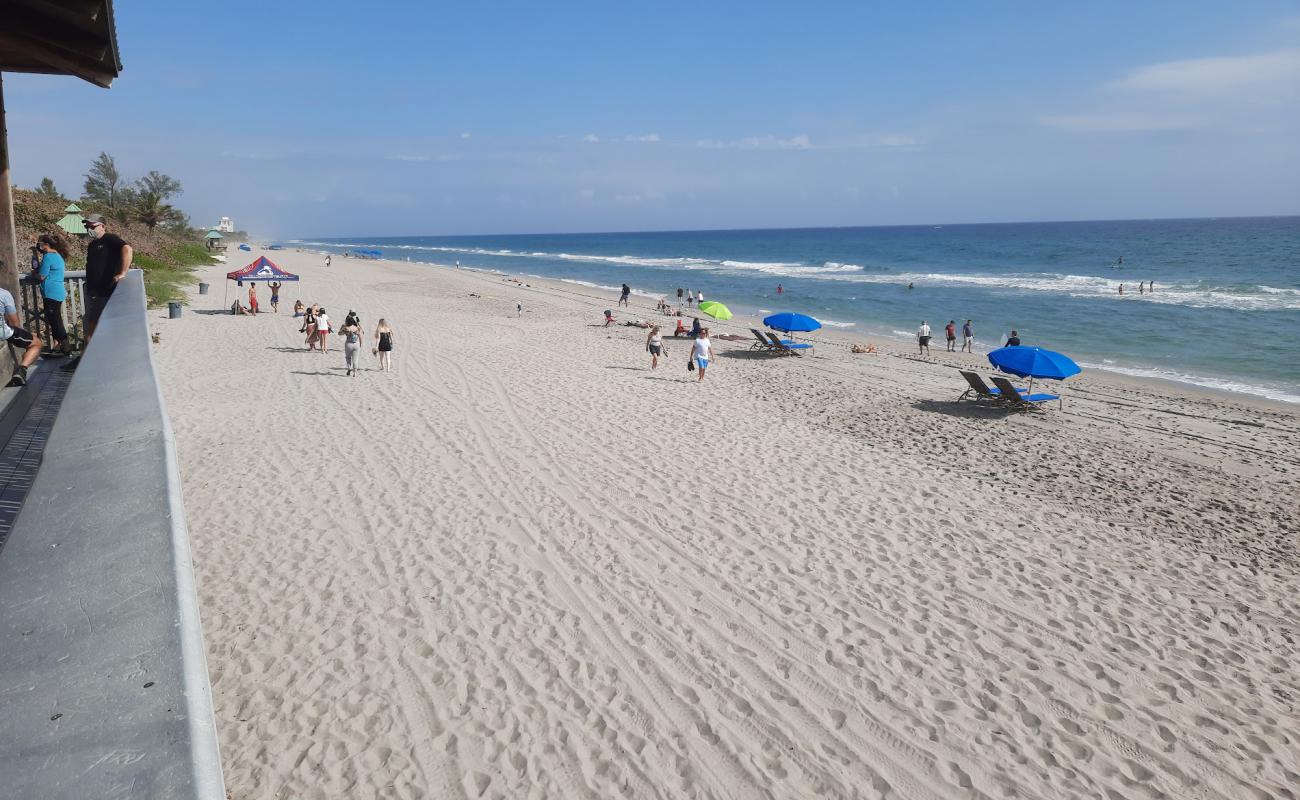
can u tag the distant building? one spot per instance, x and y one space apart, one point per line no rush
226 225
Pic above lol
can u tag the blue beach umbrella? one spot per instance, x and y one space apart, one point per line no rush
1034 362
788 321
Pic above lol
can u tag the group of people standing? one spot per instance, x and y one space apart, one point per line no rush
950 334
108 258
316 324
692 298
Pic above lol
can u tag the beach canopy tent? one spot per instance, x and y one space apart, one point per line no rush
69 38
788 321
263 269
72 222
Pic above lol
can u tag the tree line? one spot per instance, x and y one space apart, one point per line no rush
107 191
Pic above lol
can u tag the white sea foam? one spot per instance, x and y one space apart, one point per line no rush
1281 394
1189 294
830 323
1267 298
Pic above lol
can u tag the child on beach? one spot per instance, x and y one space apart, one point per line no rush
298 309
609 317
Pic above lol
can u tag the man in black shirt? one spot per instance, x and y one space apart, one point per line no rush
108 257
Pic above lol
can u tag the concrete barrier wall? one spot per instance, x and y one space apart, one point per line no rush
103 681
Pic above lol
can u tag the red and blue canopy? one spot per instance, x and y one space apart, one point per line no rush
263 269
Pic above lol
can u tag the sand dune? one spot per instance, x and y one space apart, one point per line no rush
524 565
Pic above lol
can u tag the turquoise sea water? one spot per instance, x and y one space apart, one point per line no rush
1225 312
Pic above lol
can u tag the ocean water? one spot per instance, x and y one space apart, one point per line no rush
1225 312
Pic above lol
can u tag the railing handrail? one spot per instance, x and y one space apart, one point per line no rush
104 688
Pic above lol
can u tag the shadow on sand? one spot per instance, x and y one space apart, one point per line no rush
962 409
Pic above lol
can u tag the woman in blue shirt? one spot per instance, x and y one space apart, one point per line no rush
53 249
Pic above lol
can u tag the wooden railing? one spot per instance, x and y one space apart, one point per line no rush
31 308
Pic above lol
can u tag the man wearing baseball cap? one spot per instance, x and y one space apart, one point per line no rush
108 257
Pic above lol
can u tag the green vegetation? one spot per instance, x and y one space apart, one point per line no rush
165 245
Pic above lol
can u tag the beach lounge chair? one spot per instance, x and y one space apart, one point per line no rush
979 389
787 346
1011 396
762 343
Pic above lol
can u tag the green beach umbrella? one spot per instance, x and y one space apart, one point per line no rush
715 310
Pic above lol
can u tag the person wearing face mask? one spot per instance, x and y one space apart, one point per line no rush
108 257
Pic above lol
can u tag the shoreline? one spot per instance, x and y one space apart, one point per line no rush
896 344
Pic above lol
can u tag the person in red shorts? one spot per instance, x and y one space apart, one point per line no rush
252 298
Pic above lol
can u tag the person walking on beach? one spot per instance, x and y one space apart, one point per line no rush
950 333
309 327
654 342
967 338
252 298
327 259
702 352
351 333
622 298
384 345
923 337
323 330
1013 340
679 295
53 251
275 296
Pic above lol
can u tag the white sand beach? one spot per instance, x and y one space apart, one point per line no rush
524 565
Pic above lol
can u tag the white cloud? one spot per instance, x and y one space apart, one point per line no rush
800 142
649 137
1214 74
591 137
465 135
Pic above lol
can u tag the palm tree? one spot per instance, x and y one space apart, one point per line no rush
152 211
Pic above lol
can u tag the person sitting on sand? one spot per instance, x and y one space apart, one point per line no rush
681 329
609 317
695 328
298 308
240 309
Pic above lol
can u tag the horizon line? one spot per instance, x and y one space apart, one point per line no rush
806 227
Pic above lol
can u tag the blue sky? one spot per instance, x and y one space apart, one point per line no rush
302 119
